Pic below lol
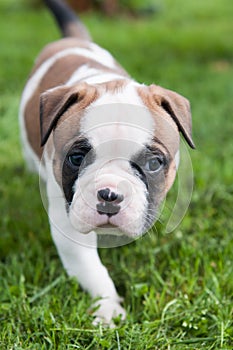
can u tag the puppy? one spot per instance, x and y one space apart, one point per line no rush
106 146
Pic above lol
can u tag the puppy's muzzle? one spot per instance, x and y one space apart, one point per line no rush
108 202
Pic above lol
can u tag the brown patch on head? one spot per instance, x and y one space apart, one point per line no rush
113 86
165 103
171 113
166 131
170 169
62 103
62 110
171 174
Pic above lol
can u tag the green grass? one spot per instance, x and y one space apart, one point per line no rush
178 288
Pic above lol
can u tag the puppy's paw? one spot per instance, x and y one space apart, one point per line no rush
108 310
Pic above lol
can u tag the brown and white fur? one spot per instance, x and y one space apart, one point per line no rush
110 150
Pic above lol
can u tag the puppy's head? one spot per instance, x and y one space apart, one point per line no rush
115 151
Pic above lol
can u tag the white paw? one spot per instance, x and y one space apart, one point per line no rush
107 310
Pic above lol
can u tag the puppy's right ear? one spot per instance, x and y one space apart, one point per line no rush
55 102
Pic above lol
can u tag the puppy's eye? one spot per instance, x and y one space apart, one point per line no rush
154 164
76 159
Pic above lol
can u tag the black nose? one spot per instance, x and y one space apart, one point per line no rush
107 196
108 202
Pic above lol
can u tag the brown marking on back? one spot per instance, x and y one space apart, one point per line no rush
32 123
68 43
57 75
57 46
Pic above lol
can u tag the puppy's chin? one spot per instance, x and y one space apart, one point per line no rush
130 231
105 229
109 230
85 219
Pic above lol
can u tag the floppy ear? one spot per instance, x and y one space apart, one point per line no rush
55 102
177 107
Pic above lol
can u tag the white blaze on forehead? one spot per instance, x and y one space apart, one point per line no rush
118 123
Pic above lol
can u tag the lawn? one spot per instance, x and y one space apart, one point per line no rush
178 287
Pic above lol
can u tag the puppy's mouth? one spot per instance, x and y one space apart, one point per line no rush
107 226
109 229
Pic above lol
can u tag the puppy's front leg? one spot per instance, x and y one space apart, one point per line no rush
83 262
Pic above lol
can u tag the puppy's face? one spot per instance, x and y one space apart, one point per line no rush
114 160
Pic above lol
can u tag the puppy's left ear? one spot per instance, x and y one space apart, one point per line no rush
55 102
177 107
